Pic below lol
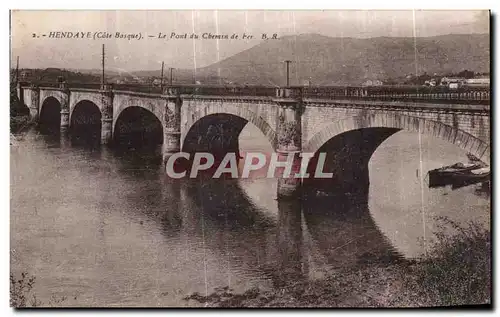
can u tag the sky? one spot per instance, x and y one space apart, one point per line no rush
125 55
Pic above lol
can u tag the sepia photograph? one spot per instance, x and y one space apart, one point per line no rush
250 158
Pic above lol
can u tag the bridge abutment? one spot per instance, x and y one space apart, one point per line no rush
172 126
289 140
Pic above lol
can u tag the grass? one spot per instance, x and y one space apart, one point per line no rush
460 273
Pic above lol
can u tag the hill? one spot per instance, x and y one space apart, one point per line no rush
329 61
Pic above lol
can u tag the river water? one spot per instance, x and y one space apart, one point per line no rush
107 228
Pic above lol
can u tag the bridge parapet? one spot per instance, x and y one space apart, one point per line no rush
295 92
395 105
217 90
437 94
63 85
475 95
106 87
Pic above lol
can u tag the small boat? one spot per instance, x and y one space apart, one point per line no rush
455 168
458 175
481 171
471 177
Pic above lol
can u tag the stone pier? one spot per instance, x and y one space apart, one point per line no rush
172 121
107 115
289 142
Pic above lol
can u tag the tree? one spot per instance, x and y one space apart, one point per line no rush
16 108
466 74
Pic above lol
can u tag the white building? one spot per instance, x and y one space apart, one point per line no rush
373 82
478 81
445 81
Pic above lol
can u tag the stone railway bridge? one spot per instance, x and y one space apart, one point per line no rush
349 122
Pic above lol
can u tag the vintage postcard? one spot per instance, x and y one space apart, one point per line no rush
222 158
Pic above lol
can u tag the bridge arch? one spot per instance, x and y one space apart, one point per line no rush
137 126
241 114
85 121
50 114
78 96
350 143
122 102
458 137
58 95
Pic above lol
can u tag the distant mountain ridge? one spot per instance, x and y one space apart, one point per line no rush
327 61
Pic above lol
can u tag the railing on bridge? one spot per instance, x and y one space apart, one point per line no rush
439 94
216 90
59 85
416 93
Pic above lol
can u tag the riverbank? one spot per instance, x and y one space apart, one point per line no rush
458 274
20 123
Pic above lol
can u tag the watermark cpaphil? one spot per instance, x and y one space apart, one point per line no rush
87 120
276 165
128 128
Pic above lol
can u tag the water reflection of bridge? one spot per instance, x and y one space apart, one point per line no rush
277 244
343 232
285 244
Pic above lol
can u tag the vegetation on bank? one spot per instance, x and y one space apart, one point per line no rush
19 113
22 295
20 290
459 273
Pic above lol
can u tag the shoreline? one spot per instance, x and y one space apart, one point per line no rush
459 274
20 123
